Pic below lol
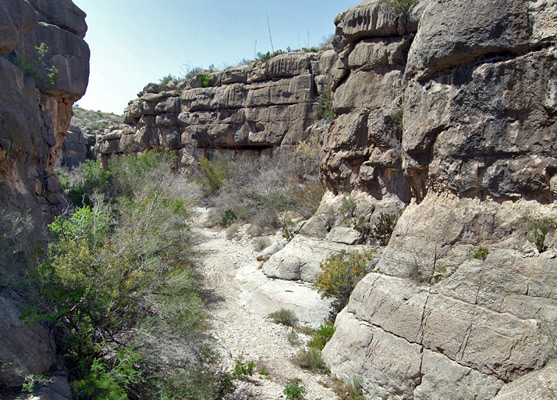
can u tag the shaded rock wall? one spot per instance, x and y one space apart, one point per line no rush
457 119
261 107
33 123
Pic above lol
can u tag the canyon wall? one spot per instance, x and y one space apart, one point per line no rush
450 108
258 107
35 36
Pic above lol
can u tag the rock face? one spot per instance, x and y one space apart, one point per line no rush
261 106
34 118
451 109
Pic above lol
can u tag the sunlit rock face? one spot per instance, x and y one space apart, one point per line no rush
449 109
35 112
259 107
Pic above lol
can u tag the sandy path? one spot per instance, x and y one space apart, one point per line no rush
239 329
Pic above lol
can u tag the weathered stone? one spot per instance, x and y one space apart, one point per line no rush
459 32
62 13
536 385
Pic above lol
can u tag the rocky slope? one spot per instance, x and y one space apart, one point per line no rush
449 109
259 107
80 141
35 115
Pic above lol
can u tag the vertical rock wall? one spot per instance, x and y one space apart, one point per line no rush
452 108
34 118
258 107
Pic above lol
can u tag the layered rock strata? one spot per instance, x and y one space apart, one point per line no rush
261 106
456 117
35 114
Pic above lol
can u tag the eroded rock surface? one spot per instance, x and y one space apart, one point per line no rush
35 115
257 107
456 120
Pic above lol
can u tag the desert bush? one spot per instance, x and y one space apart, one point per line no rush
243 368
214 173
322 335
348 391
310 359
294 391
294 338
284 316
340 272
325 105
479 253
383 229
400 6
120 265
261 190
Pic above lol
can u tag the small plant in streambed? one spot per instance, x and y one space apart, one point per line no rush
479 253
322 335
310 359
294 390
294 338
345 391
228 218
243 368
284 316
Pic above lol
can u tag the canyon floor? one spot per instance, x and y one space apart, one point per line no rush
241 298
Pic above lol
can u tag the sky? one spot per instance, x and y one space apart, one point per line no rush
134 42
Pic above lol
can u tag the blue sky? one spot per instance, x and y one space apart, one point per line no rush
134 42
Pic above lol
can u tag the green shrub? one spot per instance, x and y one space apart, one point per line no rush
123 265
204 80
164 81
400 6
37 68
214 173
228 218
325 105
539 233
340 272
294 391
284 316
480 253
81 183
243 368
347 208
384 227
310 359
322 335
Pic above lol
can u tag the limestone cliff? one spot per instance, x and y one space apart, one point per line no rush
261 106
450 108
35 114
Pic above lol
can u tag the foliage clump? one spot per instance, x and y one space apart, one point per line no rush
325 105
540 230
340 272
267 192
38 69
119 271
294 391
284 316
322 335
